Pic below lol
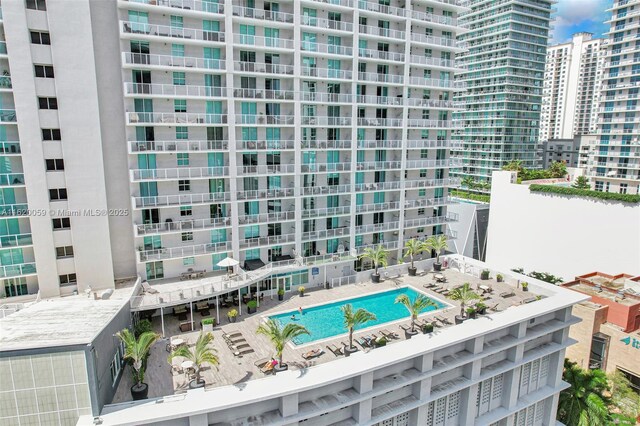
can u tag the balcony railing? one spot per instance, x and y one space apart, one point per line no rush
182 226
380 8
146 59
380 78
259 41
326 190
436 19
282 119
326 23
266 169
427 183
380 54
324 234
429 202
326 73
381 32
325 167
432 40
10 147
172 32
266 194
326 97
263 94
326 121
379 186
380 122
267 241
427 221
177 146
174 90
7 116
197 5
259 67
308 46
266 217
175 118
15 240
326 144
180 252
377 227
325 212
7 271
10 179
423 60
262 145
179 173
377 207
14 210
181 199
378 165
267 15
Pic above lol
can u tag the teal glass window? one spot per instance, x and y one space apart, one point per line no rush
177 50
182 132
179 78
182 159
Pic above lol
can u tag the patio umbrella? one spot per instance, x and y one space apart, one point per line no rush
228 262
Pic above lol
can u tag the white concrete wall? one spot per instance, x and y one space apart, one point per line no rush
566 236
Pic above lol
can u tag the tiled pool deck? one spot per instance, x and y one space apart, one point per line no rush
236 371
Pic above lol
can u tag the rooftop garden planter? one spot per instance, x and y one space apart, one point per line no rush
427 328
525 286
499 278
232 315
136 350
437 243
208 324
459 319
471 313
252 306
281 294
301 290
485 274
380 341
378 256
481 308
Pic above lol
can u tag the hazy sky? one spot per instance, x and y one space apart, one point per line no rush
574 16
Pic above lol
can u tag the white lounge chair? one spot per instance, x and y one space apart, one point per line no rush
148 289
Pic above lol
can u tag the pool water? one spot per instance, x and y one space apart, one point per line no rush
326 320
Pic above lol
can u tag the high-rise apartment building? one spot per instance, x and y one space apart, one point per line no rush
504 71
262 131
572 79
614 164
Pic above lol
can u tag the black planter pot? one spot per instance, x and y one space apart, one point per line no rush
437 266
232 319
196 385
375 278
281 367
482 311
348 351
472 315
327 286
301 293
408 334
459 319
412 271
525 288
428 330
281 297
252 310
139 391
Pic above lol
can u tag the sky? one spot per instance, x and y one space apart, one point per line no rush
576 16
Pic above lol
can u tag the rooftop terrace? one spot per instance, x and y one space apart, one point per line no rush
237 371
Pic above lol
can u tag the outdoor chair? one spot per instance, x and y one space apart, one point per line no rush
335 350
389 334
148 289
313 353
442 319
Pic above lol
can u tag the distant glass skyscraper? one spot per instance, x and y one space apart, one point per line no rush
613 164
507 45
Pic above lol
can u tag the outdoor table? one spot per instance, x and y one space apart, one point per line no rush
484 287
177 342
186 365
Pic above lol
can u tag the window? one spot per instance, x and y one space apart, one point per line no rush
55 164
180 105
623 188
183 159
48 103
62 252
187 236
184 185
58 194
189 261
43 71
186 210
115 367
51 134
182 132
39 37
37 4
61 223
179 78
68 279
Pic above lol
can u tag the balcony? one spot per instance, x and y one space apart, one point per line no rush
181 226
181 252
434 124
326 144
326 167
259 67
274 240
430 164
266 42
170 90
377 227
175 118
20 240
436 62
7 116
195 5
437 83
266 218
281 120
428 221
11 179
381 55
279 169
383 9
380 122
381 32
377 207
430 183
265 15
326 190
198 36
436 19
326 97
264 194
326 121
5 81
8 148
141 202
322 24
313 47
380 78
281 145
374 144
378 165
326 73
144 60
324 234
23 269
429 202
325 212
284 95
379 186
177 146
14 210
433 41
343 3
138 175
380 100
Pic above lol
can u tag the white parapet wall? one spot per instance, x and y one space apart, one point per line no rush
559 234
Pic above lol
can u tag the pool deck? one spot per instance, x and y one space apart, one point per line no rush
235 371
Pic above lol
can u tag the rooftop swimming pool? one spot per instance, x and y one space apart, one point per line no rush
325 321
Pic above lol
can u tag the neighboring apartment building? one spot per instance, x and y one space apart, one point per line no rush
609 335
565 150
72 167
572 79
615 163
498 370
504 71
262 131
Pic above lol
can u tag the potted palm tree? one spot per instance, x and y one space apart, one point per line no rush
199 355
465 296
351 321
415 307
439 244
137 351
412 248
378 256
280 336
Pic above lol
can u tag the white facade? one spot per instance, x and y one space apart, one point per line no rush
269 131
71 149
560 234
615 162
572 79
503 369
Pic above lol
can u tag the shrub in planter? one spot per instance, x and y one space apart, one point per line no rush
471 313
301 291
481 308
484 275
281 294
142 327
525 286
252 306
499 278
208 324
427 328
381 341
232 315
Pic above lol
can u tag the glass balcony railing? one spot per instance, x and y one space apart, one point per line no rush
7 271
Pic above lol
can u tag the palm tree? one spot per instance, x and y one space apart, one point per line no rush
137 351
581 183
437 243
464 295
280 336
415 307
583 404
377 255
201 353
354 319
413 247
467 182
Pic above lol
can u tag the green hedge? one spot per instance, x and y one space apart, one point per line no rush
474 197
627 198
